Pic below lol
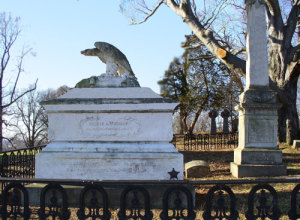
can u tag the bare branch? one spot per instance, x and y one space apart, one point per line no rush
206 36
291 24
150 14
214 16
20 96
19 71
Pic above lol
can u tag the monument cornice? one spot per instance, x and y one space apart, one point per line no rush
99 101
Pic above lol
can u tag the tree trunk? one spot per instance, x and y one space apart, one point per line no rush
184 122
181 126
288 122
192 127
1 126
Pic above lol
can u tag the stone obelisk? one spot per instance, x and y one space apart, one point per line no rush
258 153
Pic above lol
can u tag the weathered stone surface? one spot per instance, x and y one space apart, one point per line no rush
107 126
108 165
258 127
296 144
196 169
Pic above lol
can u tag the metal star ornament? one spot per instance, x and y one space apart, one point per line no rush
173 174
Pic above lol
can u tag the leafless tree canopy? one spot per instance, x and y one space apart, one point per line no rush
29 122
10 71
220 26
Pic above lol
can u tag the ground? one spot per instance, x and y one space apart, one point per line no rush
219 163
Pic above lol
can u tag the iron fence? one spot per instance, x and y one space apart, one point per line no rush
262 201
205 142
19 163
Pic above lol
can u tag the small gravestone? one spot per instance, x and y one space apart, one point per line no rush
296 144
196 169
213 114
225 115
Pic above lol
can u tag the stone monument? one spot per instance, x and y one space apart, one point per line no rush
213 114
109 128
258 153
225 115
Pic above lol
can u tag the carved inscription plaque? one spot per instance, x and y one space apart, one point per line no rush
261 131
109 127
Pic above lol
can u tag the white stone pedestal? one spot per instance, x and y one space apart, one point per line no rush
258 153
109 134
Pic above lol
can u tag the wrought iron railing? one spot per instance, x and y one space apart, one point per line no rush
205 142
19 163
262 200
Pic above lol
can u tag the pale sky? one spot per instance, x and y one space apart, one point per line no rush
57 30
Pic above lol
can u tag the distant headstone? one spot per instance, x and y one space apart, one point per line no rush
296 144
213 127
225 115
196 169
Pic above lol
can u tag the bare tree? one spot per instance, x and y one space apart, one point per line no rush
30 124
9 33
30 119
214 23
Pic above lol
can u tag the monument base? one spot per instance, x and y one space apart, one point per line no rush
258 154
253 170
108 161
253 162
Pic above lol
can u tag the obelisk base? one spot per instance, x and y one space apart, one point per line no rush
256 170
257 162
258 153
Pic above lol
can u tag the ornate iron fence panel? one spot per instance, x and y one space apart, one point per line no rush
53 202
217 206
263 208
94 206
15 202
173 207
18 163
176 200
135 204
